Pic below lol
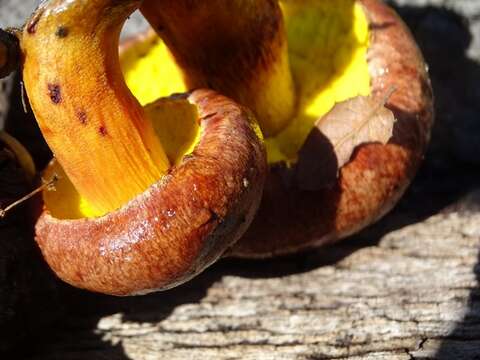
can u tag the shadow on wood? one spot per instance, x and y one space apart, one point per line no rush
444 37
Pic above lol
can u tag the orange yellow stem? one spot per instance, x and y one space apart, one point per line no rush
237 47
94 125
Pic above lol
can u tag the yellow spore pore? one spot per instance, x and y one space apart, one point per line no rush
328 42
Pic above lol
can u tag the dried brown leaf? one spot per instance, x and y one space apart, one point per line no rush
354 122
330 145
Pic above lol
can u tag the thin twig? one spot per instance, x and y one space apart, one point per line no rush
49 186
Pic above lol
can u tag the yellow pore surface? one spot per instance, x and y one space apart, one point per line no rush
328 42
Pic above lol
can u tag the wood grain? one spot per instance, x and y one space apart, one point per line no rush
411 295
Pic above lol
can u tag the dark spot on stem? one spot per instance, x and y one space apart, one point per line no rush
82 117
62 32
102 130
55 93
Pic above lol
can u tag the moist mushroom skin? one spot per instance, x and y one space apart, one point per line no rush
291 219
176 228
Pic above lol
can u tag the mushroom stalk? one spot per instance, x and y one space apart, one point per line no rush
94 125
238 48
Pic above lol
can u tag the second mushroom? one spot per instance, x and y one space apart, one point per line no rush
339 88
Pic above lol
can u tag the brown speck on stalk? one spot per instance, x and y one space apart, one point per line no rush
62 32
82 117
103 130
55 93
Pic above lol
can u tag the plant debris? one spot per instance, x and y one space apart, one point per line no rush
331 144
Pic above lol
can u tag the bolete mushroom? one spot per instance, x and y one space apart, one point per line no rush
291 61
135 210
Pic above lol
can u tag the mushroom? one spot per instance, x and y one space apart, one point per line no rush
291 62
135 210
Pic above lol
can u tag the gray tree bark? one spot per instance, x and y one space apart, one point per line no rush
411 295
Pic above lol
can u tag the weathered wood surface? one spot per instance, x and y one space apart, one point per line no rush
407 288
412 295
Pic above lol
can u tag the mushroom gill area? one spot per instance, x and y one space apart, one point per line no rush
328 58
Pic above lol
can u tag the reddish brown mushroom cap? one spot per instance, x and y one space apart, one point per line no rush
176 228
290 219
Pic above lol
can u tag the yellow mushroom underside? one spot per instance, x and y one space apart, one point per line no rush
328 43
